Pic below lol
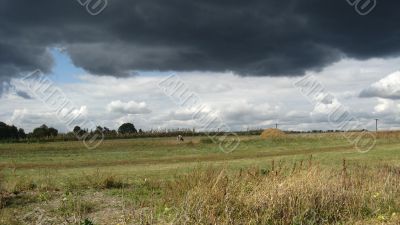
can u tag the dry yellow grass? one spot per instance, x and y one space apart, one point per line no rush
388 136
305 195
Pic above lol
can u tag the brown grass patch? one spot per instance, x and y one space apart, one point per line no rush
303 196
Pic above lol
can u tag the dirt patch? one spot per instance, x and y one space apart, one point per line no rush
62 209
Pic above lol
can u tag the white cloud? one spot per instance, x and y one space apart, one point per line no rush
250 113
254 102
18 115
388 87
82 111
31 119
386 106
130 107
181 115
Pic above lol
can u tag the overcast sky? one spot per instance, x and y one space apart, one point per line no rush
241 57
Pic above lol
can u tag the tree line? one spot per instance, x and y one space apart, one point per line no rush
43 132
11 132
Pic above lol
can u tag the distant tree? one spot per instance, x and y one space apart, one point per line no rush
140 131
41 132
127 128
8 132
44 131
107 131
99 128
3 130
52 132
13 132
21 133
77 129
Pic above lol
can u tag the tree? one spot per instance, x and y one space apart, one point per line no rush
41 132
8 132
3 130
44 131
13 132
52 132
98 130
127 128
79 131
107 131
21 133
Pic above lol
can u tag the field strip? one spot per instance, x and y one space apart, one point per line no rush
180 159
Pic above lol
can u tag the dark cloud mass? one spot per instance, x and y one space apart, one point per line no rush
252 37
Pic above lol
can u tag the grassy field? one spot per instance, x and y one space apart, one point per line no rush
299 179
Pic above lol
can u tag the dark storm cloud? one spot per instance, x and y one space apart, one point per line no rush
253 37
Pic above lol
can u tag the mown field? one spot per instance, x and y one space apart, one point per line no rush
298 179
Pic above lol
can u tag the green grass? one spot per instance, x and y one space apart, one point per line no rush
133 173
149 157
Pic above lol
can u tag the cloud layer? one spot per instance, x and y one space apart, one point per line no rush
256 37
208 43
241 102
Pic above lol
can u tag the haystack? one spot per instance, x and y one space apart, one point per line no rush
272 134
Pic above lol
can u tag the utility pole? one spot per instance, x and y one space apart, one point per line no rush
376 125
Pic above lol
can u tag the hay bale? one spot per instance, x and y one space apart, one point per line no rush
272 134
